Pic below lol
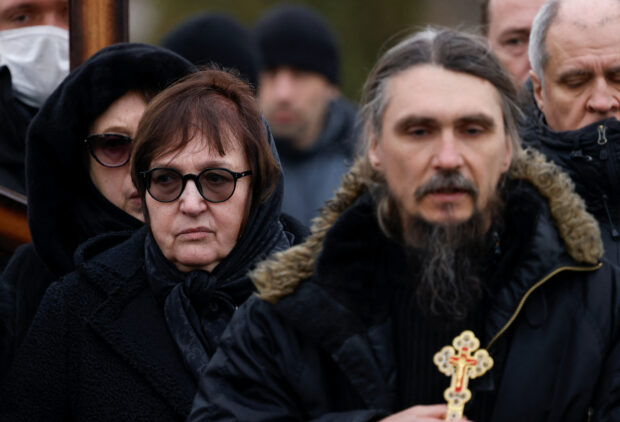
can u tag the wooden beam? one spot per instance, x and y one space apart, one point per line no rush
14 228
95 24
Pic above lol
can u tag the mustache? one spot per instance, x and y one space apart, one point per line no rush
447 181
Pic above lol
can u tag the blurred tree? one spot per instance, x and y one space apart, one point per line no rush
364 28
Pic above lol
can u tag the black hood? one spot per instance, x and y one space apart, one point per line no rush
64 208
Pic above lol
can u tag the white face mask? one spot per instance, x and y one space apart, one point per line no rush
38 58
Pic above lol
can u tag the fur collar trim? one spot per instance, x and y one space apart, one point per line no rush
279 275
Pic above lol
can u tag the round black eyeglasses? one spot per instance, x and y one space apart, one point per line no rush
213 184
109 149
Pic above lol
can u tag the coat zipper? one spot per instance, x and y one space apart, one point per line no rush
602 135
608 151
531 290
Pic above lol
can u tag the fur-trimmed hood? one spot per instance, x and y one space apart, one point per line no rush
280 275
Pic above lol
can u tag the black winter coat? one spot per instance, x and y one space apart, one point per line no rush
591 156
320 348
99 343
99 348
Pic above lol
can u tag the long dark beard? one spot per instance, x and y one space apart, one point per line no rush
452 259
450 265
448 260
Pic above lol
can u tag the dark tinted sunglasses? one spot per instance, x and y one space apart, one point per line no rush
109 149
213 184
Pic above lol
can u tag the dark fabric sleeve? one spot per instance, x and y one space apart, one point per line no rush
352 416
7 330
609 408
23 284
36 386
607 400
244 380
256 375
14 119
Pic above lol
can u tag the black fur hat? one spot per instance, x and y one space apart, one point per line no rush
296 36
216 38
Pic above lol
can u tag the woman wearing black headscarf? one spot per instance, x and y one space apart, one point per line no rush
73 194
130 332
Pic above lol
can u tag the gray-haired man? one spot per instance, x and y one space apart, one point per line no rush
575 56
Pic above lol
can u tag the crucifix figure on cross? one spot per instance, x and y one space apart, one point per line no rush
457 361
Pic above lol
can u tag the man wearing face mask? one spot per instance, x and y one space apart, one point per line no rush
34 59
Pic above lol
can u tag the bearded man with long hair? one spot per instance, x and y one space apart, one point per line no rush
443 224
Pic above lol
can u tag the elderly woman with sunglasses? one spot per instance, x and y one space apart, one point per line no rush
130 333
78 178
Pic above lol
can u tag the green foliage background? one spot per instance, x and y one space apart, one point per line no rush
364 28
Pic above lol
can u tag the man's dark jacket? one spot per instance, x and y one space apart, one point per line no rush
311 176
318 344
14 119
591 156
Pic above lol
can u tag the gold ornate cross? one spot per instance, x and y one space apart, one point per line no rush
457 362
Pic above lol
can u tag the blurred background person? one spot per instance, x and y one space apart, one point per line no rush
507 25
132 330
216 38
363 31
299 95
79 184
34 58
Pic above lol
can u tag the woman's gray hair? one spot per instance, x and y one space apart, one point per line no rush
450 49
537 50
